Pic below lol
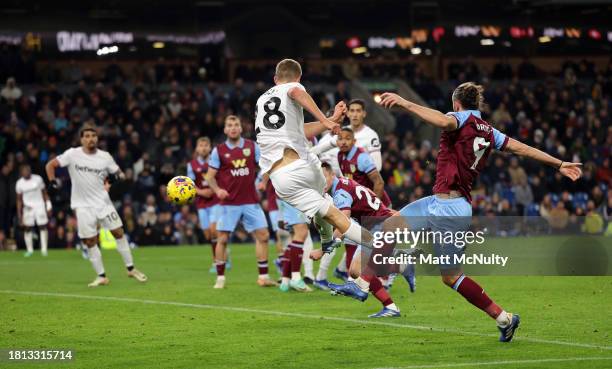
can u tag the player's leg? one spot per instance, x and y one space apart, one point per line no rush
279 247
341 271
455 215
41 222
255 222
475 295
221 257
389 310
87 229
299 225
28 221
307 261
228 217
321 281
351 248
110 219
123 248
215 213
204 215
296 252
28 238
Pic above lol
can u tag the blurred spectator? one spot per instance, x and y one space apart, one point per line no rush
10 91
523 196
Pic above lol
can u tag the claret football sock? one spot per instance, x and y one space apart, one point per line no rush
381 294
262 268
472 292
350 252
295 256
220 264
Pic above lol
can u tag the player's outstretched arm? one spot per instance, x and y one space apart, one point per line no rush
434 117
323 123
568 169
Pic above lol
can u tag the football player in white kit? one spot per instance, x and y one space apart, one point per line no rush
365 136
327 150
294 171
33 209
89 168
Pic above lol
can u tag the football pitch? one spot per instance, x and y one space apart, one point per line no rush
177 320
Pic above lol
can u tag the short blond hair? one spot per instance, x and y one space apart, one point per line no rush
288 69
203 139
232 117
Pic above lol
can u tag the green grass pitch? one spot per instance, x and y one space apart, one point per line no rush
177 320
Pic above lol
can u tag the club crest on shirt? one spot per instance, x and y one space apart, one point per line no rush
227 155
353 169
246 151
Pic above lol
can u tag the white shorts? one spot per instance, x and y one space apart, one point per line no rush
88 220
35 216
301 185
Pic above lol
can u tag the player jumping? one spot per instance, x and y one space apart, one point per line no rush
465 144
33 209
89 168
294 171
232 170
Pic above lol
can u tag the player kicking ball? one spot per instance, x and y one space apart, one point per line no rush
465 144
359 202
89 168
294 171
33 209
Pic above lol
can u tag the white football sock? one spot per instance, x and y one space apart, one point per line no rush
392 306
28 238
95 256
503 319
359 235
342 264
285 280
44 240
306 260
124 249
324 265
363 284
296 276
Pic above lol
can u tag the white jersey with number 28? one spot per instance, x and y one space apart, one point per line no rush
279 124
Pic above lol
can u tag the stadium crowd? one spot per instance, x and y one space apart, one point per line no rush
150 123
